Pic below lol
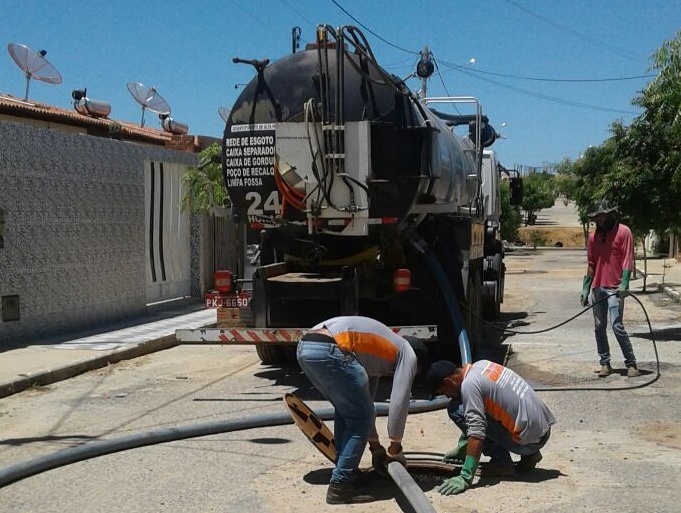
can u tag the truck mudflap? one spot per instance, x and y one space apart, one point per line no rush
275 336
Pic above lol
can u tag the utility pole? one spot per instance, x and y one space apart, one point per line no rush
424 69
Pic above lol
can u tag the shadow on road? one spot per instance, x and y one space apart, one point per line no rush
663 335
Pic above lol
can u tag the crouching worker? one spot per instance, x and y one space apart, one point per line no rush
344 357
497 413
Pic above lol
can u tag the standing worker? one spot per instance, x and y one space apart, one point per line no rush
497 413
339 356
610 255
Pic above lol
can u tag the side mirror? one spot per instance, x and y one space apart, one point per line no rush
516 189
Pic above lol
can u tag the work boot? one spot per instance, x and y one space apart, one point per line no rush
492 469
499 466
632 372
605 371
344 492
528 462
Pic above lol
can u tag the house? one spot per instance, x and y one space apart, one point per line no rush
91 231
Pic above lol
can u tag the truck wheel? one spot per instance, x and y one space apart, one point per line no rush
491 303
490 308
269 354
290 358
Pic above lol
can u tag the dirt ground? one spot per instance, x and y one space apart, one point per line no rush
566 237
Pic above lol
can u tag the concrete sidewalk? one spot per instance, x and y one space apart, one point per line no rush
47 362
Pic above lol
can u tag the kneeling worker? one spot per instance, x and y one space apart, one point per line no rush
340 356
497 412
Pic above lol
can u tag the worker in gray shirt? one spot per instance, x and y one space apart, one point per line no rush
497 412
343 358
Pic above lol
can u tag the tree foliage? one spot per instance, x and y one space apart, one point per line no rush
565 180
537 193
637 169
648 174
510 219
204 186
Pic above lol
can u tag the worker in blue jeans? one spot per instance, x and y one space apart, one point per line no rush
343 358
613 306
610 260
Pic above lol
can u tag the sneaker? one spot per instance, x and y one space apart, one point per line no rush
345 493
605 371
528 462
632 372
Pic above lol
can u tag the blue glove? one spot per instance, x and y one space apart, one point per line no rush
586 288
462 482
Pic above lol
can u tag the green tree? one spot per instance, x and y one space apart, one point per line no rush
565 180
647 178
538 194
592 173
510 219
204 186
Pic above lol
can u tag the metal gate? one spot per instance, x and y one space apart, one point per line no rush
167 233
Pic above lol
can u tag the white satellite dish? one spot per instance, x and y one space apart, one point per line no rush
33 64
149 99
224 113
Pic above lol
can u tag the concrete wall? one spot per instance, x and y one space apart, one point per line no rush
74 251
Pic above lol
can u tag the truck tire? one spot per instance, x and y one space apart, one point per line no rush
491 303
490 308
290 356
269 354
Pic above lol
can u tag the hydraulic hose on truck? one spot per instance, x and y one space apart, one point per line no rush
450 298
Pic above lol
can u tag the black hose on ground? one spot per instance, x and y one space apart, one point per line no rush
28 468
549 388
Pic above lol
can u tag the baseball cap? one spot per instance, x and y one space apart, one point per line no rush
437 372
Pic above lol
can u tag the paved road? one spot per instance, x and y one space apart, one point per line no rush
611 451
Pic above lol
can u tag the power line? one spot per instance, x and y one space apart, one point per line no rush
307 20
371 31
595 42
541 79
538 95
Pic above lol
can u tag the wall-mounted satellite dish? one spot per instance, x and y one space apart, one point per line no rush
224 113
33 64
148 98
88 107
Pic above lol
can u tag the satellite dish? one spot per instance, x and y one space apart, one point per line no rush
33 64
148 98
224 113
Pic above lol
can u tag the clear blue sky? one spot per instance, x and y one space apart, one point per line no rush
184 50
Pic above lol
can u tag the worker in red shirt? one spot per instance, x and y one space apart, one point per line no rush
610 255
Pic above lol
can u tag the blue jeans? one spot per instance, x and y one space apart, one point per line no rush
344 382
615 306
498 443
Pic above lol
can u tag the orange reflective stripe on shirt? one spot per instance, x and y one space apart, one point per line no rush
502 417
367 343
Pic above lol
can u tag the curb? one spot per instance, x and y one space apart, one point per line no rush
673 294
68 371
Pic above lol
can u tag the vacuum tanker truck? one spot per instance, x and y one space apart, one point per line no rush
355 196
